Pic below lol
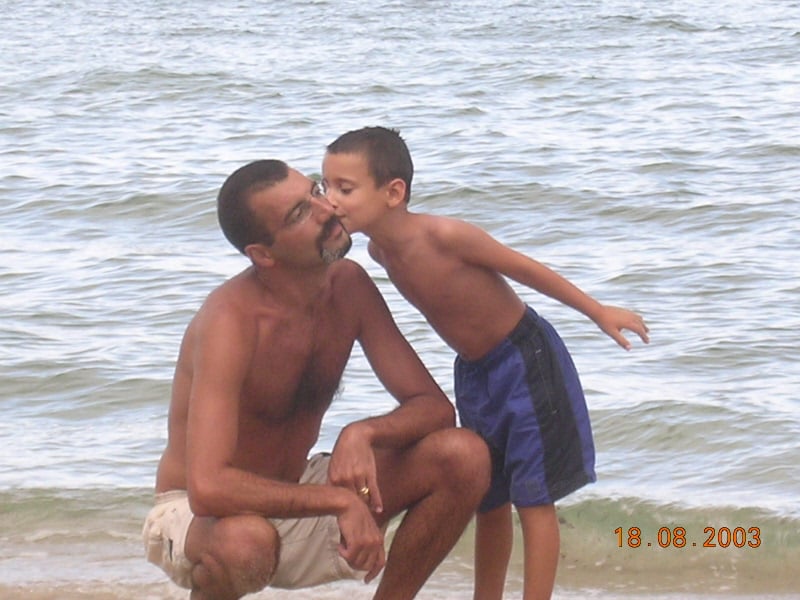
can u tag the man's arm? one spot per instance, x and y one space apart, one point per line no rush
221 351
423 409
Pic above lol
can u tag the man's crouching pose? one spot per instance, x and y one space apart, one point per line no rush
239 503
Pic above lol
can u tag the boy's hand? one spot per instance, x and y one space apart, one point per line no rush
612 320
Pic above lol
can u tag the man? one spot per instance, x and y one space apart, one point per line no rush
239 505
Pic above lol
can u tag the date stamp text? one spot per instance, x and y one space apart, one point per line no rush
677 537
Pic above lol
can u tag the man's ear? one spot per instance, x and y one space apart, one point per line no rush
396 189
260 255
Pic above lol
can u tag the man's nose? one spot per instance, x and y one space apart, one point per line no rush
323 207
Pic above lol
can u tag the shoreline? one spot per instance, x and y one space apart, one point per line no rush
84 552
609 579
350 591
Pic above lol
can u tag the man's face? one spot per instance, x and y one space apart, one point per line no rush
351 190
302 222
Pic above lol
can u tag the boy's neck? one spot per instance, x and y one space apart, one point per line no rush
392 229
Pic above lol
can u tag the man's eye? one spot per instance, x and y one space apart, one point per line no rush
300 212
318 191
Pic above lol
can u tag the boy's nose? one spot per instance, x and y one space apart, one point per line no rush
331 198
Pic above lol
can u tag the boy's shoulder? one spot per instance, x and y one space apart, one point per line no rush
443 231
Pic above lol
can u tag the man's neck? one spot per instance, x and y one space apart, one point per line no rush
294 289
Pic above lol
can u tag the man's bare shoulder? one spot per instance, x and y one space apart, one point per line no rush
353 290
347 274
219 316
227 305
227 295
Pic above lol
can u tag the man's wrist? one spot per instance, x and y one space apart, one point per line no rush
343 499
363 431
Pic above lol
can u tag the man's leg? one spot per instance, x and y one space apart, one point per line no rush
440 480
232 557
494 535
542 542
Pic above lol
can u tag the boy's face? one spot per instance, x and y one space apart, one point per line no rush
352 192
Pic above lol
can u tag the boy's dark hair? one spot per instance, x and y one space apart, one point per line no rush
387 154
236 217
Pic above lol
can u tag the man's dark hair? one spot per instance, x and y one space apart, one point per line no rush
386 152
239 223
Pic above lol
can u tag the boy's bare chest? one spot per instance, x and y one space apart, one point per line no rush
429 283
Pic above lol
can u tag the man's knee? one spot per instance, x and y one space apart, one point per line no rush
243 557
464 460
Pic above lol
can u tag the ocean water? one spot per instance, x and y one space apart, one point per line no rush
650 152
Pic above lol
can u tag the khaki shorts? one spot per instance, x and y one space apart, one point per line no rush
309 553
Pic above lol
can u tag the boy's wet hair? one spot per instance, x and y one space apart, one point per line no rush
237 220
387 154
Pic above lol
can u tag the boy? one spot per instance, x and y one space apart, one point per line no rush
515 383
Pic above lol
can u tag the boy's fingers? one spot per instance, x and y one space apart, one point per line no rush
642 329
616 335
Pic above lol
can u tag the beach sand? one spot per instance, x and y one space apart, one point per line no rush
354 591
453 581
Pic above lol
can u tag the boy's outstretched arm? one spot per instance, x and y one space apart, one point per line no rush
479 248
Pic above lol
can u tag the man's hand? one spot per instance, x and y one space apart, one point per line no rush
352 465
362 541
612 320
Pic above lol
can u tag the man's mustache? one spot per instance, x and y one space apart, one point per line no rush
328 228
328 254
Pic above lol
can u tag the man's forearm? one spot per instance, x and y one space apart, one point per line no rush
408 423
236 492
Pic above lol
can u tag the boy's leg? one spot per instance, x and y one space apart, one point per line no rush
541 537
439 481
494 536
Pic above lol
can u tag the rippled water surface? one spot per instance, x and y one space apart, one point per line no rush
647 151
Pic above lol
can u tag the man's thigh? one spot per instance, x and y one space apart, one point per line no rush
407 475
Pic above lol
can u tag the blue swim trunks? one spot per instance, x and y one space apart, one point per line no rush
525 399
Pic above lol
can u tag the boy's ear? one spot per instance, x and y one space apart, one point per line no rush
260 255
396 189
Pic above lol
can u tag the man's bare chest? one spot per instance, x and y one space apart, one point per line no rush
298 371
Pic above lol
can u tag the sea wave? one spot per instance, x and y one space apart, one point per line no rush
623 544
